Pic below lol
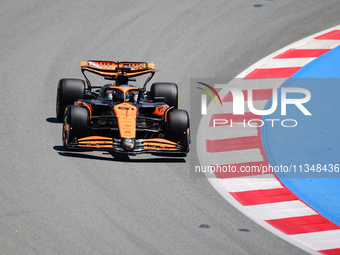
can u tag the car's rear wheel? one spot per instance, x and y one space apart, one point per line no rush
167 90
76 124
69 90
179 128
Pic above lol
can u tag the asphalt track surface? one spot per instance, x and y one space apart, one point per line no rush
58 202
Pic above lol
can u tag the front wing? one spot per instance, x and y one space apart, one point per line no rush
152 145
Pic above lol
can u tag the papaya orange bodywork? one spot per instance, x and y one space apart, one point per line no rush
87 106
110 68
126 117
159 144
123 89
160 110
140 116
95 142
166 113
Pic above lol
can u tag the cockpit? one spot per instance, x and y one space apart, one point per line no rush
123 94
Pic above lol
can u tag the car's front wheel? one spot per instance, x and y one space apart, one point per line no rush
179 128
76 123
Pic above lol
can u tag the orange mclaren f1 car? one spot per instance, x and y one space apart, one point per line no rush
121 117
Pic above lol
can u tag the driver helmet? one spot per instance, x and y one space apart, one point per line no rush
109 94
127 95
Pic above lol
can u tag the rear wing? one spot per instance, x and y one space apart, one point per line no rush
109 69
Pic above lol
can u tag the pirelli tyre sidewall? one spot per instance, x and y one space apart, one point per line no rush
68 91
167 90
178 128
75 125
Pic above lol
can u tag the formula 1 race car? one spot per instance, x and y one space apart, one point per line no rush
120 117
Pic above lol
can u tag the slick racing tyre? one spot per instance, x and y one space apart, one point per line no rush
76 123
69 90
178 128
167 90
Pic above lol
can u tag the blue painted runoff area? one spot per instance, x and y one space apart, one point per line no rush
306 158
